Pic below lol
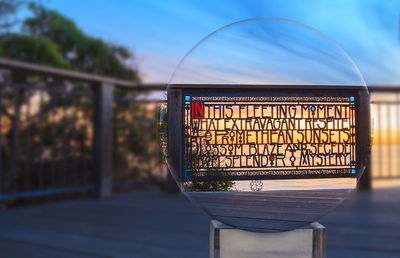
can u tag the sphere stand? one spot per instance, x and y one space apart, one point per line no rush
226 241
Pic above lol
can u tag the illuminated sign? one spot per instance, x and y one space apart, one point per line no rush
235 135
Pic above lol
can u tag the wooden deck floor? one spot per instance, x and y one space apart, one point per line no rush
155 224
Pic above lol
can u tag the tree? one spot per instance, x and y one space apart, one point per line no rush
8 11
52 39
32 49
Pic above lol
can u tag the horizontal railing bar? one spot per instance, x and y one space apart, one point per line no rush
73 75
384 88
386 177
377 102
74 93
128 100
5 197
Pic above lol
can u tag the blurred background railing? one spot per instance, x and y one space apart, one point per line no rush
76 133
385 157
82 133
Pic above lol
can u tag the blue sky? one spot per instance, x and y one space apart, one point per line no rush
161 32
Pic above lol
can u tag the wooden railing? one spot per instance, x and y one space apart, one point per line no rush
59 139
385 158
82 132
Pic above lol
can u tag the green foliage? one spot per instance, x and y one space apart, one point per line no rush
53 26
83 52
50 38
32 49
209 186
206 186
163 125
8 9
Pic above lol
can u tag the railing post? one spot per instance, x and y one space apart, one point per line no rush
365 180
1 141
102 127
365 137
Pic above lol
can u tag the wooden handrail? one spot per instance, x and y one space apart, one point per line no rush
73 75
383 88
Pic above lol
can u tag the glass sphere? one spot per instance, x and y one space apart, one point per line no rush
260 126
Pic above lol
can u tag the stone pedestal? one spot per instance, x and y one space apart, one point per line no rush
228 242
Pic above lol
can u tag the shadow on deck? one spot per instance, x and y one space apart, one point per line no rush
156 224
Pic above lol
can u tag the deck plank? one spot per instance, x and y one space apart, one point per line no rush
155 224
